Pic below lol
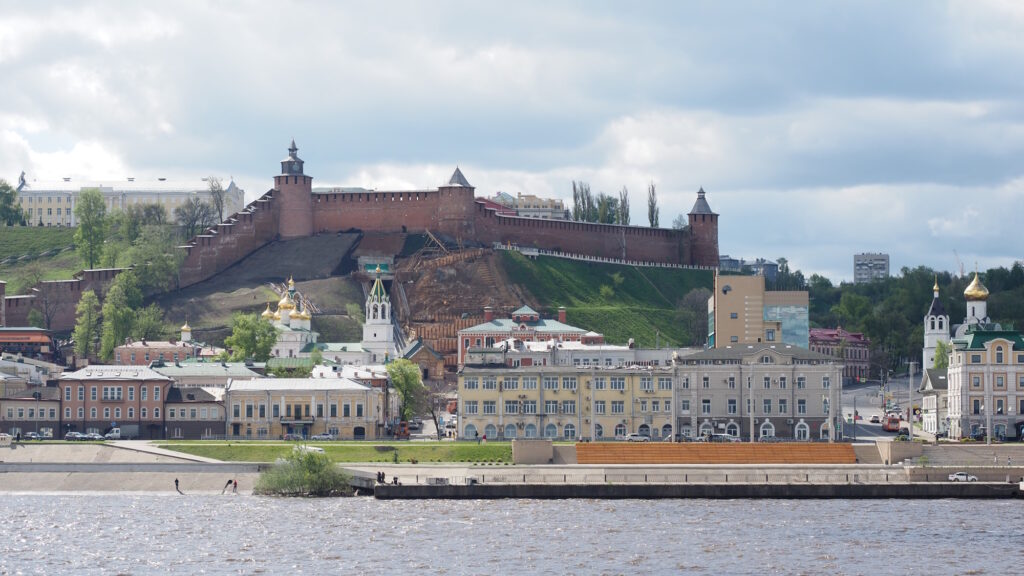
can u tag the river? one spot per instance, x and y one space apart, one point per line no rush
148 533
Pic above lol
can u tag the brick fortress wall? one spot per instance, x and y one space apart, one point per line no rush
59 298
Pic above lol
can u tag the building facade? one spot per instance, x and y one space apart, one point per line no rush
852 348
869 267
33 409
525 325
195 413
741 311
98 398
936 328
52 203
934 392
275 407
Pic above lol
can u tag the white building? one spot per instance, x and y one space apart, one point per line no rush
868 267
936 328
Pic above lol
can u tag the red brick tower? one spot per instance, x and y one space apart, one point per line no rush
455 209
703 233
295 192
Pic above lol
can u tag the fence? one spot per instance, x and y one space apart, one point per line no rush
534 252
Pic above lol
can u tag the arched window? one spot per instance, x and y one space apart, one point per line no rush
373 313
803 431
732 429
470 432
620 431
491 432
931 322
530 431
706 429
551 431
510 431
644 430
767 429
999 355
598 431
384 312
823 431
666 430
569 431
940 322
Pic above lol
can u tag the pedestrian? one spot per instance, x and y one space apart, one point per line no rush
224 489
477 437
176 487
1008 461
995 460
235 489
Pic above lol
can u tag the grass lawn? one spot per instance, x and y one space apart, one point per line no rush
19 240
423 452
59 267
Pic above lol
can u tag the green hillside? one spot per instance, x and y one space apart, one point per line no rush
621 302
32 240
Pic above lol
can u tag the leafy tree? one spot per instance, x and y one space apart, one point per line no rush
584 207
251 337
942 350
48 298
692 314
652 205
623 207
679 222
607 209
216 197
156 259
149 324
355 312
10 212
194 216
91 213
405 378
87 326
316 356
118 317
35 318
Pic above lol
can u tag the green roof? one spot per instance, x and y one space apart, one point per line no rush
976 339
508 325
289 363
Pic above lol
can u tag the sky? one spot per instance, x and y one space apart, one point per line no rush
818 129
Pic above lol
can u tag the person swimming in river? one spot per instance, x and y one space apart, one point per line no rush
176 487
226 486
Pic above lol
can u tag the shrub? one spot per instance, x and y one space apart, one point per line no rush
304 473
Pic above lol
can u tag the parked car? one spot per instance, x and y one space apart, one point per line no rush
902 436
676 438
72 436
634 437
322 437
31 436
771 439
962 477
293 437
94 436
414 425
721 438
876 419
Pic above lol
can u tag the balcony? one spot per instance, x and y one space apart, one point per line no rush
298 419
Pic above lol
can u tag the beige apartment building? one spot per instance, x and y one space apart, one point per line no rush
52 203
741 311
274 407
985 382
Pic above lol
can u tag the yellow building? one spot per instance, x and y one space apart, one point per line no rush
52 203
275 407
564 402
741 311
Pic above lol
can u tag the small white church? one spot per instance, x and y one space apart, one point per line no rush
297 339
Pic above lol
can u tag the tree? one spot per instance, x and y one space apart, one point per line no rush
692 313
10 211
251 337
652 205
607 209
35 318
156 259
679 222
316 356
91 213
623 207
942 350
149 324
216 197
118 317
87 325
48 297
405 378
194 216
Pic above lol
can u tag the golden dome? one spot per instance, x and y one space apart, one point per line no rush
291 282
277 315
295 314
186 327
285 303
305 315
935 288
976 290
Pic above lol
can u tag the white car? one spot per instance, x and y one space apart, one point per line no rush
962 477
634 437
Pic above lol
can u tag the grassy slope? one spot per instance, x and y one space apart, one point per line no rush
18 241
353 452
59 267
643 301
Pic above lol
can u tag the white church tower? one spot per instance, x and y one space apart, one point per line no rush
378 332
936 328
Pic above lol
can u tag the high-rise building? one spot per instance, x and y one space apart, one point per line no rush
741 311
868 267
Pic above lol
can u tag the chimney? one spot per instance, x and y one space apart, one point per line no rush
488 313
561 314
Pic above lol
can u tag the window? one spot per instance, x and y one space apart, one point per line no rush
551 383
530 383
599 407
334 410
346 409
999 355
732 405
131 393
67 412
801 406
112 392
511 407
490 407
801 382
734 338
767 382
599 383
236 410
568 406
529 407
782 382
1000 407
117 413
825 382
470 384
668 405
769 335
81 393
824 405
81 412
733 315
664 383
92 413
551 406
655 406
705 382
156 411
783 406
767 406
359 410
263 411
569 383
618 383
275 410
469 405
67 393
618 407
705 406
647 384
686 382
684 406
92 393
975 381
131 412
511 383
490 383
975 358
171 411
1000 382
142 394
976 406
643 405
732 382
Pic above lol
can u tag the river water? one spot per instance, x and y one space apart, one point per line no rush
147 533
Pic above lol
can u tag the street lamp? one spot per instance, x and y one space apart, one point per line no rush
37 395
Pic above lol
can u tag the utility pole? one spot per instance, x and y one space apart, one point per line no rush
910 400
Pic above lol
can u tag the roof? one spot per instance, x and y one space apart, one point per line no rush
338 347
701 205
263 384
289 363
937 378
160 344
114 372
458 179
124 185
415 347
192 394
45 393
508 325
823 334
525 311
936 309
976 339
739 352
229 369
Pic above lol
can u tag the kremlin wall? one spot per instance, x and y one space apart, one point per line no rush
293 210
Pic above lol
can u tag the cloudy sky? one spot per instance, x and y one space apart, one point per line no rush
818 129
